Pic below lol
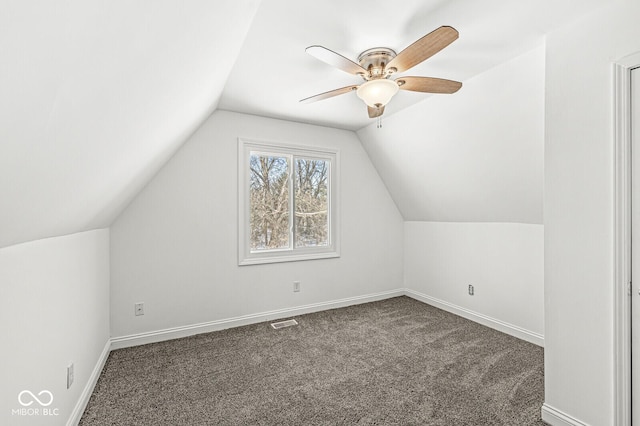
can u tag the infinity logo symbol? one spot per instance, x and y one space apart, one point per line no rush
26 404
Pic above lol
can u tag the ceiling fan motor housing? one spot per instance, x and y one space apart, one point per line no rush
375 62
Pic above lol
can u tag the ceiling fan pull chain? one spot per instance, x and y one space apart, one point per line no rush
379 122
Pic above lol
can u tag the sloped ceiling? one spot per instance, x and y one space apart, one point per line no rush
477 156
96 95
273 71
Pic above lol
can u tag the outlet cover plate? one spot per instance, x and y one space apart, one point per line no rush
139 308
70 375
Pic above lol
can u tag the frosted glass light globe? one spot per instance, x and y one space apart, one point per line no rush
377 93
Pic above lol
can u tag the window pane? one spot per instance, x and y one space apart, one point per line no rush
311 202
269 202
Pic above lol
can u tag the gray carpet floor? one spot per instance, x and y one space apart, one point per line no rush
393 362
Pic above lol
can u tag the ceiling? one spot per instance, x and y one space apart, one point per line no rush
96 95
273 71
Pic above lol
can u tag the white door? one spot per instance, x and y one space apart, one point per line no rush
635 246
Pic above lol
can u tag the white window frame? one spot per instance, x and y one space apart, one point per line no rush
248 257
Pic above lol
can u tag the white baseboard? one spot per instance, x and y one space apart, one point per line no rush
78 410
496 324
206 327
555 417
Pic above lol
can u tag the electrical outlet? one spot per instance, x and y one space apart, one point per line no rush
69 375
139 308
296 286
470 290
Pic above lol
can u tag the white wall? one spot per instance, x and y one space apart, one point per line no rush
503 261
54 311
175 246
473 156
578 210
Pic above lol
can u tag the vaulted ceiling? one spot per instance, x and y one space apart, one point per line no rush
273 72
95 96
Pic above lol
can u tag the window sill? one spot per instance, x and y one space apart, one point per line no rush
278 258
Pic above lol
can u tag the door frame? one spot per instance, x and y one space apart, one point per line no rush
622 237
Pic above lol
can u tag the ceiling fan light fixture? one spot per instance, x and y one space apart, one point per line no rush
376 93
376 65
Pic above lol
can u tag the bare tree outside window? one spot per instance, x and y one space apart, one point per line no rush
269 200
311 202
288 203
270 220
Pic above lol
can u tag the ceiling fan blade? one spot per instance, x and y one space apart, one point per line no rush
424 48
335 59
329 94
428 84
375 112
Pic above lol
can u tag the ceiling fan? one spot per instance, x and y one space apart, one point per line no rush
376 66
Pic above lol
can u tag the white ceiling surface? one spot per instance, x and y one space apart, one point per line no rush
477 156
273 71
96 95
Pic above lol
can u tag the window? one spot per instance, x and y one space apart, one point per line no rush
287 206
